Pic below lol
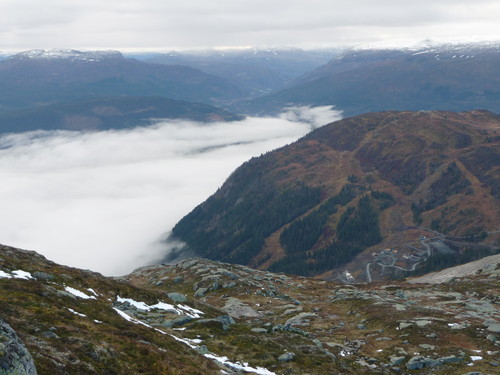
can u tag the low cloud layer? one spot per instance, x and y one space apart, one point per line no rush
104 200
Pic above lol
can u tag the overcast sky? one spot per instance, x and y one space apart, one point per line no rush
191 24
104 200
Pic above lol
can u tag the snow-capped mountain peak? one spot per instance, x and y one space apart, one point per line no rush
66 54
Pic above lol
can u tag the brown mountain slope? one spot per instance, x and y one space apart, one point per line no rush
380 195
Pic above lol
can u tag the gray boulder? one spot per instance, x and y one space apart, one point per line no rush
181 320
450 359
201 292
495 328
39 275
287 357
177 297
237 309
301 318
14 357
418 362
395 360
491 338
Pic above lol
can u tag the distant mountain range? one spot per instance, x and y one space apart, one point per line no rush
102 113
67 89
443 77
381 195
249 82
36 78
256 71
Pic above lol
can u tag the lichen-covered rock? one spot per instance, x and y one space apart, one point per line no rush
43 276
301 318
415 363
495 328
237 309
14 357
177 297
287 357
395 360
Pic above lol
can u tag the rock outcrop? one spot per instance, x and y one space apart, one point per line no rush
14 357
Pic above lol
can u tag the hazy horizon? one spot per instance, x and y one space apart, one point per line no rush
159 25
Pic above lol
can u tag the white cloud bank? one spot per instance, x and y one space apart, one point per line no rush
103 200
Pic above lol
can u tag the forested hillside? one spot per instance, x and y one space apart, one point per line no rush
374 185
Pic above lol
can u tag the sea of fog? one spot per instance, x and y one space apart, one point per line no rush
104 200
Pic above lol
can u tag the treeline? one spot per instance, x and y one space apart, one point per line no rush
304 264
360 226
386 199
451 182
357 229
233 228
303 234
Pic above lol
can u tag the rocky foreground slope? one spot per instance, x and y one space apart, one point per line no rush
206 317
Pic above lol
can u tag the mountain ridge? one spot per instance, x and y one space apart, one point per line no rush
31 82
394 176
455 78
103 113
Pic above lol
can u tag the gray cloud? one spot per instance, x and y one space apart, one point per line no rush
103 200
195 24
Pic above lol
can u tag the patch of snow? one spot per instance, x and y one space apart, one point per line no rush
184 341
137 305
78 293
77 313
193 313
97 321
476 357
20 274
239 366
421 52
93 292
5 275
345 353
145 307
180 329
66 54
131 319
348 276
164 306
180 309
192 343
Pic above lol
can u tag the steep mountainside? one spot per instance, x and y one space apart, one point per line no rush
456 78
205 317
36 78
378 195
108 113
